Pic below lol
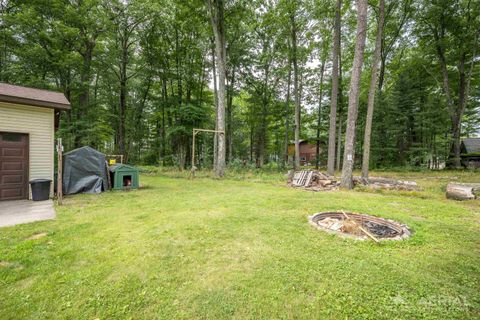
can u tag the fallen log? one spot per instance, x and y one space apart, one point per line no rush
384 183
463 191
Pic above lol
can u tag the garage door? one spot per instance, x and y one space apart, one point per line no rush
13 166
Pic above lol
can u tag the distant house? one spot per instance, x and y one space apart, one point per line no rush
470 152
28 119
308 152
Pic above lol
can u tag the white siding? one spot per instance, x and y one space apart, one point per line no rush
39 124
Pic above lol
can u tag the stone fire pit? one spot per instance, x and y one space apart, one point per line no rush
359 226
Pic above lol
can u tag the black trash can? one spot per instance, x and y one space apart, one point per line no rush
40 189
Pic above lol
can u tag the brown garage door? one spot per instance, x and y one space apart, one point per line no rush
13 166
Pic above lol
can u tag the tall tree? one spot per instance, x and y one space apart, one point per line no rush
340 109
216 9
90 27
354 94
125 21
287 112
371 93
319 114
455 31
215 95
296 89
335 83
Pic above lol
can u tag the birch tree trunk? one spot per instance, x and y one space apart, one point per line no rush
287 112
215 93
354 94
372 90
338 159
334 98
216 8
296 165
339 141
319 119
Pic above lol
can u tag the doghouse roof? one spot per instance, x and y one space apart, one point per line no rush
121 167
33 97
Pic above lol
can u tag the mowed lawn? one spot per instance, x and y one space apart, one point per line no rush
219 249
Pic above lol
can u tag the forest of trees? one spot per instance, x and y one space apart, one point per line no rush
140 75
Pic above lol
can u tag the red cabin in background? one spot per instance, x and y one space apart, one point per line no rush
308 152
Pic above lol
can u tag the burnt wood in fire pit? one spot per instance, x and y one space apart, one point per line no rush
383 229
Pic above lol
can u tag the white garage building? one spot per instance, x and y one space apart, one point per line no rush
28 120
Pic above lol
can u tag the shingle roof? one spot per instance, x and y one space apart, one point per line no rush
33 97
471 144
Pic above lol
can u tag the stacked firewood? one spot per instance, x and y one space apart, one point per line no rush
312 180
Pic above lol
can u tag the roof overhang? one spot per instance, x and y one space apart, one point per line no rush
33 97
35 103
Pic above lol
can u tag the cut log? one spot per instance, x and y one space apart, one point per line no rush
324 183
463 191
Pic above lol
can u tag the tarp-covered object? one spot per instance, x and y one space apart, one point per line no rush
84 171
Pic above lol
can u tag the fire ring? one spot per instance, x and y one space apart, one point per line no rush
356 225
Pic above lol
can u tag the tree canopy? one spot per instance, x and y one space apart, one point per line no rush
141 74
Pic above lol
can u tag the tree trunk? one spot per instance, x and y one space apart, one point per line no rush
229 116
262 136
381 76
371 92
334 98
165 98
339 141
338 158
216 8
464 191
123 95
456 110
354 94
287 112
319 119
83 97
177 67
296 165
215 93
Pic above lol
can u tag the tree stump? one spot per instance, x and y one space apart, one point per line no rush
463 191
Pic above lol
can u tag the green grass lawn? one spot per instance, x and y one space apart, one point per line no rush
236 248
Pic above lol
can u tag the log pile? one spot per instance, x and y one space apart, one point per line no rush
312 180
317 181
463 191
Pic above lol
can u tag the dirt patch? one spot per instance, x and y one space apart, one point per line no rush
12 265
5 264
36 236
